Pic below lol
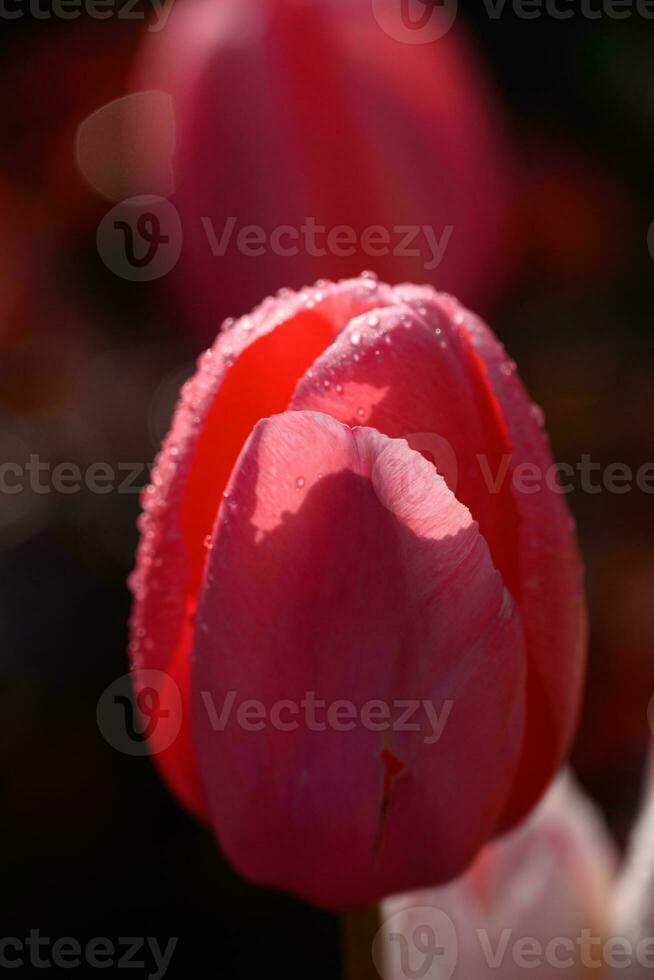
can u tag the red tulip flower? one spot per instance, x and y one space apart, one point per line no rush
312 142
296 550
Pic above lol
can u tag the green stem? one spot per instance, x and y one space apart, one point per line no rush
358 930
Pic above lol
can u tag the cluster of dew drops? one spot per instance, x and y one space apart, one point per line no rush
368 330
195 397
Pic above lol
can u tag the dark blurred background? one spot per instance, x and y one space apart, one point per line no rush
92 843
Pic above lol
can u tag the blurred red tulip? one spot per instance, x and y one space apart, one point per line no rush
311 142
313 552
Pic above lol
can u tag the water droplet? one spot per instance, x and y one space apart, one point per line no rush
339 389
299 483
361 412
356 337
207 541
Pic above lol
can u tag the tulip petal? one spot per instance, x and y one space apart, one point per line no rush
551 594
343 570
249 373
410 373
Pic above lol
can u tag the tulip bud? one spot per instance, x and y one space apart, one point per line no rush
379 648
